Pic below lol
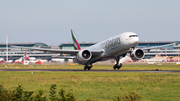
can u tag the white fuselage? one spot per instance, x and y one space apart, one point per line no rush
114 46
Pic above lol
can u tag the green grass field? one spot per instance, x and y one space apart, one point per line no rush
170 66
99 85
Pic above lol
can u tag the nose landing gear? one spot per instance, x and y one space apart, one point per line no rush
117 65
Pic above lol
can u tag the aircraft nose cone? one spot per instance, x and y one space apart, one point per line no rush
136 41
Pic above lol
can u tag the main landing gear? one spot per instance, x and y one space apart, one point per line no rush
88 66
117 65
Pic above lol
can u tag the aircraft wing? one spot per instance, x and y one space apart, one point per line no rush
72 52
149 48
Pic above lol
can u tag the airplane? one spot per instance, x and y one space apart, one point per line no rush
19 60
27 59
34 60
114 47
2 60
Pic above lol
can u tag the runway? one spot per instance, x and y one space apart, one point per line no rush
73 70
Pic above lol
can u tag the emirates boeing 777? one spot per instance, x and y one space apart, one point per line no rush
114 47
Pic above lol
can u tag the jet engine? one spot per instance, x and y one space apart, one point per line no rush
137 54
84 55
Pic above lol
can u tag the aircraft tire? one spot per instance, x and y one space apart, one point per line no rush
115 67
118 67
85 68
89 68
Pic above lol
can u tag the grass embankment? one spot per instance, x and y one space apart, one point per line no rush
99 85
171 66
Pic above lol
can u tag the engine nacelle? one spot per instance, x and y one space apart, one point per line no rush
137 54
84 55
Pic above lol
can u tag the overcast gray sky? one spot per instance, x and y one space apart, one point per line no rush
50 21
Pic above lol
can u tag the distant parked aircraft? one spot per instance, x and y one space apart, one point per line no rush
27 59
2 60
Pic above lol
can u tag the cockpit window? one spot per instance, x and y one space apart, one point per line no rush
133 36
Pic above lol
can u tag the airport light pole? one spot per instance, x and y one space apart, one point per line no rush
178 55
6 47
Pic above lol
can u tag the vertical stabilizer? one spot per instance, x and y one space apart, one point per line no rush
75 42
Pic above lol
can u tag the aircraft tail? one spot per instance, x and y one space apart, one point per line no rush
27 56
75 42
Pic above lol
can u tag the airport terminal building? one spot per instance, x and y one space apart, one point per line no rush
14 53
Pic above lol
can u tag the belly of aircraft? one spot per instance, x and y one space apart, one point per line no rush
117 50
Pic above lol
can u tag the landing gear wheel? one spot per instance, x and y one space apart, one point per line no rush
118 67
87 67
114 67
